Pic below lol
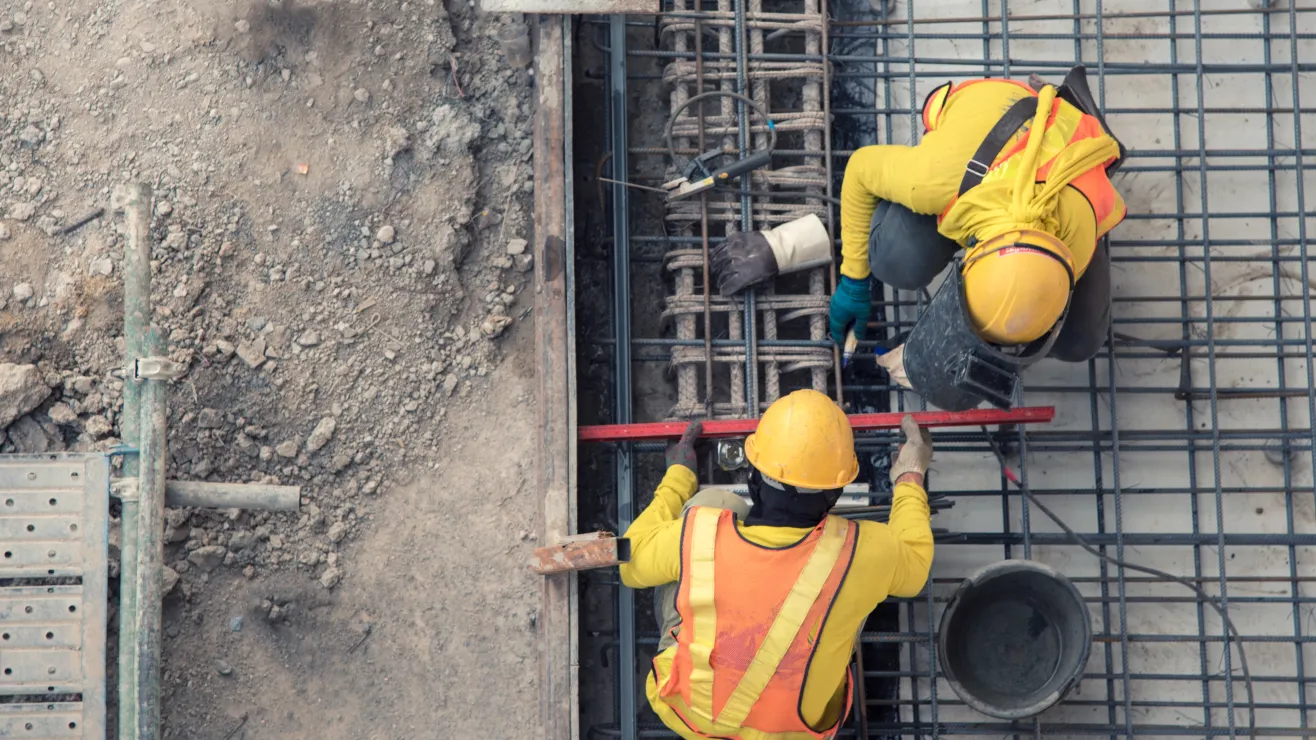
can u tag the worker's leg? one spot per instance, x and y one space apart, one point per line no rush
905 249
664 597
1089 312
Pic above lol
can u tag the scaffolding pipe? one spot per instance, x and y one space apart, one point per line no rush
136 203
208 495
148 618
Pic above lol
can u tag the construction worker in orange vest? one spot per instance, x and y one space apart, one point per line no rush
1019 179
759 606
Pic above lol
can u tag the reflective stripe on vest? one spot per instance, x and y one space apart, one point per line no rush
702 551
1066 125
715 685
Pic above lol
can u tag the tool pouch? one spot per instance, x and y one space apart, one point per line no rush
952 367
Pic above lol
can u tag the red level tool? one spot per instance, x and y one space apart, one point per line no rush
664 430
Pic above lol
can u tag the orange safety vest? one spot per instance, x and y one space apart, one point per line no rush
751 617
1066 125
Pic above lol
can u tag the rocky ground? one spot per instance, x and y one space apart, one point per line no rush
343 197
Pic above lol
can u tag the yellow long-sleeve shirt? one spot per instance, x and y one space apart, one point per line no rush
889 560
925 178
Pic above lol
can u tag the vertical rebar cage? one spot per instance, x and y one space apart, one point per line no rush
1186 445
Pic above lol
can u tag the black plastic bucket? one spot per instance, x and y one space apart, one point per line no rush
1014 639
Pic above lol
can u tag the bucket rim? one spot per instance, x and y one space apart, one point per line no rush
983 575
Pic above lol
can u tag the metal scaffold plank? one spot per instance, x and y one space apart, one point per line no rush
41 721
54 518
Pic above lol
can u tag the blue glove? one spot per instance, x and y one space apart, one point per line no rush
851 304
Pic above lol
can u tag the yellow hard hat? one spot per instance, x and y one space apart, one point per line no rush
1016 285
804 440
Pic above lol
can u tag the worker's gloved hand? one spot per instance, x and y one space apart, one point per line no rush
894 364
682 452
742 260
916 453
851 304
747 258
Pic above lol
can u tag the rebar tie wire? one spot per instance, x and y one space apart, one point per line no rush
1213 601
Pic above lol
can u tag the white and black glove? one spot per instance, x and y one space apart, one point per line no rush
748 258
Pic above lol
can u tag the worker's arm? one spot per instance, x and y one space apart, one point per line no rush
655 535
901 174
911 525
1078 228
911 520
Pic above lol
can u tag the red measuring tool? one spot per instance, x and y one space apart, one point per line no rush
664 430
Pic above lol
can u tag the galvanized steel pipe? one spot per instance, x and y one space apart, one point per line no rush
136 202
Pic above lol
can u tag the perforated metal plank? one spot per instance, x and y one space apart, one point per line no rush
41 721
53 525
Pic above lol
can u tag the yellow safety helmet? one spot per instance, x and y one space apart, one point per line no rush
804 440
1016 285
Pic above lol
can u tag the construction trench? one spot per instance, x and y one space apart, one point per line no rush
1185 446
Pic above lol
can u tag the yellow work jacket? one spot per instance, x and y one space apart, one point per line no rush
889 560
926 178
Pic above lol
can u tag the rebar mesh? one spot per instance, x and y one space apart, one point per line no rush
1186 445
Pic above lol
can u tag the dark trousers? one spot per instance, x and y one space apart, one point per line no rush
906 251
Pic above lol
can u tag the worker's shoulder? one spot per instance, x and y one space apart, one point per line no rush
873 539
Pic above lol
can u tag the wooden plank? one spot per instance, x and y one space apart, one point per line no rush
557 630
581 552
573 7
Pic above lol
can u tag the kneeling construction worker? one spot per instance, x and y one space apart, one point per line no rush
760 605
1017 178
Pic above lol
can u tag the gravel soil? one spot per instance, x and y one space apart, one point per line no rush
342 193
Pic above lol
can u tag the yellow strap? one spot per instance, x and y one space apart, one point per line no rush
1023 181
997 207
786 626
704 626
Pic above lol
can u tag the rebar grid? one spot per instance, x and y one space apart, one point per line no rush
1231 361
1186 445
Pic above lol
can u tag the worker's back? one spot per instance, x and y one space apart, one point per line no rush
754 569
758 606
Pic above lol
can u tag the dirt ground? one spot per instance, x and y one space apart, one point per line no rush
342 193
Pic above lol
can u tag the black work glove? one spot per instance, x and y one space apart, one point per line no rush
742 260
683 452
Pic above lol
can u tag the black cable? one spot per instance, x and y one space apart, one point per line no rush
671 121
1213 601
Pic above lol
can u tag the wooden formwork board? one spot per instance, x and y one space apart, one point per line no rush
554 358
